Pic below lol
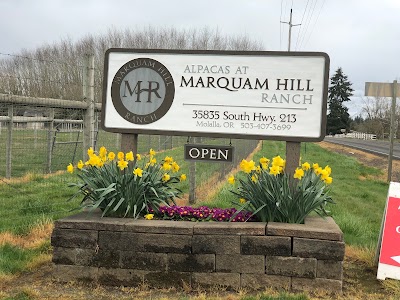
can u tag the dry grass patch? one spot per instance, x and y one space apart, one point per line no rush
362 254
29 177
36 237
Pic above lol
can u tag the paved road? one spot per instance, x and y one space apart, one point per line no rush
372 146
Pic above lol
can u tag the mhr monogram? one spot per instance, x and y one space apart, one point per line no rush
138 90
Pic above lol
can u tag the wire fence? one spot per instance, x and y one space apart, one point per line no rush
49 116
40 137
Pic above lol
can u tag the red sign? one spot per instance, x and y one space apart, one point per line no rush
389 259
390 251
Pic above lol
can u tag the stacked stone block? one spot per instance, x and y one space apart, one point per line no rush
159 253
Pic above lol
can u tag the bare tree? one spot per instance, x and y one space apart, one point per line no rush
55 71
376 113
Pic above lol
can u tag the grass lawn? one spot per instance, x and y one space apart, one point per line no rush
359 196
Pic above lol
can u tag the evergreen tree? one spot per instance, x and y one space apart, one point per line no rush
339 92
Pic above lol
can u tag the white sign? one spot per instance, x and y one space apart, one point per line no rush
268 95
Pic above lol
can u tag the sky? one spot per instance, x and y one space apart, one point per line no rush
360 36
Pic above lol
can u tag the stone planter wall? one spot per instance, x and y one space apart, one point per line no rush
250 255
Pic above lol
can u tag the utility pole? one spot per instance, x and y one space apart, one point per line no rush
292 148
290 28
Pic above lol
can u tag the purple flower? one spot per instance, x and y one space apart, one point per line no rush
203 213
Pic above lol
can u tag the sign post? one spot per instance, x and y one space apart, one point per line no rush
229 94
380 89
389 257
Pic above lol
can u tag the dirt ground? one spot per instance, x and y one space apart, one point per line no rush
359 275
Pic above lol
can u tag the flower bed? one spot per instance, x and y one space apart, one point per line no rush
163 253
202 213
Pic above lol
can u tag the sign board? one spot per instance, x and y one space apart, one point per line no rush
209 153
389 258
248 95
381 89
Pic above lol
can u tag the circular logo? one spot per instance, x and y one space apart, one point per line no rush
142 91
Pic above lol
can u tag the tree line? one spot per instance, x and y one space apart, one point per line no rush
55 71
374 117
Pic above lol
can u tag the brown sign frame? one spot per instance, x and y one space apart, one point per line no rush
215 134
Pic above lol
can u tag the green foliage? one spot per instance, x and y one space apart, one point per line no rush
37 201
339 91
14 259
128 187
274 196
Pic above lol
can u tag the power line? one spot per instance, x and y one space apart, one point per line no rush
301 22
308 20
316 20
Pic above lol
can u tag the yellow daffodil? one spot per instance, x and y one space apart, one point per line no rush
318 170
138 157
278 161
183 177
258 169
306 166
120 155
149 216
324 174
247 166
94 160
328 169
129 156
315 166
111 156
122 164
298 173
328 180
254 178
153 161
165 177
274 170
90 152
264 160
80 165
231 179
138 172
264 166
70 168
152 152
166 166
175 167
103 152
242 201
168 159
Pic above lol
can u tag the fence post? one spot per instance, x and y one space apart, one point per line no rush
9 141
50 141
88 96
192 177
